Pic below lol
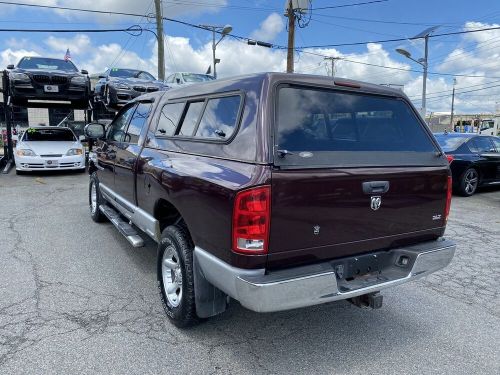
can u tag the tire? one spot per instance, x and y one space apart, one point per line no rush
178 301
469 182
95 201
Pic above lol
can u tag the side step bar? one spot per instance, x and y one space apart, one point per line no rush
123 227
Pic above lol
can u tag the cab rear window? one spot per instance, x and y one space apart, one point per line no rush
319 120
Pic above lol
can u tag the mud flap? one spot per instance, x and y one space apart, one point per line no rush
210 301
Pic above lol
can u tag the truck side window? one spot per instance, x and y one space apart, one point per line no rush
191 118
219 118
139 119
116 131
169 118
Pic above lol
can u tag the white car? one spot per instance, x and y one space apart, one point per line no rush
178 79
49 148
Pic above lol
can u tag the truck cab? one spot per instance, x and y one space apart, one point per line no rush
490 127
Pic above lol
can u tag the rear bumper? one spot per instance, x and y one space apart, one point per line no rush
319 283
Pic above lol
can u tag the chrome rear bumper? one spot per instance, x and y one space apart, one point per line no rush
319 283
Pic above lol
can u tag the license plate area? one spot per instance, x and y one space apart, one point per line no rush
51 163
51 88
360 266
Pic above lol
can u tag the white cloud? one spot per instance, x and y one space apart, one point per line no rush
269 28
12 56
240 58
129 6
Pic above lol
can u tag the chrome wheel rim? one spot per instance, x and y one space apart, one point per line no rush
471 180
172 276
93 198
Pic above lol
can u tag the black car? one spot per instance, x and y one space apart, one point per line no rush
42 79
474 160
118 86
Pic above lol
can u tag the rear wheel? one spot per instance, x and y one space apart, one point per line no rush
469 182
175 276
95 200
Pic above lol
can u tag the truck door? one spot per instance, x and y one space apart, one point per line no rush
106 151
127 152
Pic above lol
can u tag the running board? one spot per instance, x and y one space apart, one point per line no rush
123 227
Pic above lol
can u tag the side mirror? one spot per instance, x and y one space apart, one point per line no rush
94 131
82 138
83 71
10 66
178 80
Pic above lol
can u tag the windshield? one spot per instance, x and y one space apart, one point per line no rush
44 63
449 142
124 73
192 77
57 135
487 124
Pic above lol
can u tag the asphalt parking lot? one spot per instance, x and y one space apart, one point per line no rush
76 298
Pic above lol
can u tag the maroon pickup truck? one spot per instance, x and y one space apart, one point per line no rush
279 191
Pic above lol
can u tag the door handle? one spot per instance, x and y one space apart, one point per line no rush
375 187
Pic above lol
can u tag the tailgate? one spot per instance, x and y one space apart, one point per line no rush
354 172
326 213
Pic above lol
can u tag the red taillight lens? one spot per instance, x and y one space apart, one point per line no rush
448 199
450 158
251 217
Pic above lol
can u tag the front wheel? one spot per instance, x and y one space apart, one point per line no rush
469 182
175 276
95 200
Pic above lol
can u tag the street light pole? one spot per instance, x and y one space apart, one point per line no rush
214 46
423 61
223 30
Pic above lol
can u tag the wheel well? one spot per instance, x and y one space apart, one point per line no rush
166 213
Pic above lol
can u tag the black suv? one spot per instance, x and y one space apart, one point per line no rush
40 79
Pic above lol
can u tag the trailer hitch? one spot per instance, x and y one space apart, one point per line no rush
370 300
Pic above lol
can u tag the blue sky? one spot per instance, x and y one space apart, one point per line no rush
189 48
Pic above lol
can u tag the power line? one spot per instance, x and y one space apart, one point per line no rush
464 87
131 29
351 5
400 39
137 28
462 92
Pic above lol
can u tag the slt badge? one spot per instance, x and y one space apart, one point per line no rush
376 202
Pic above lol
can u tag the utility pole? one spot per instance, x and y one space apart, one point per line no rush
424 86
161 46
453 104
291 37
332 60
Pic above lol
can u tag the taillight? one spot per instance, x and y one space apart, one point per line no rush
448 199
450 158
251 217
